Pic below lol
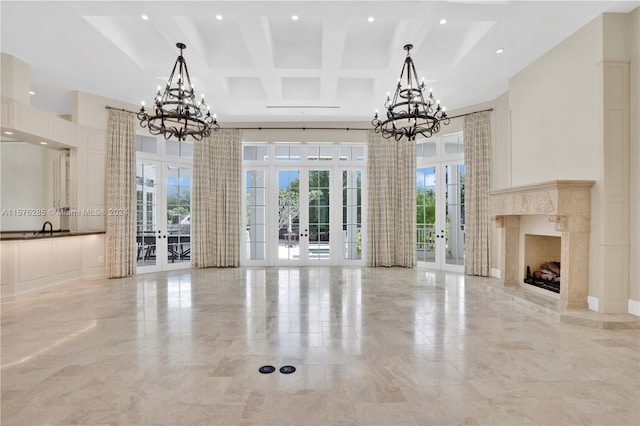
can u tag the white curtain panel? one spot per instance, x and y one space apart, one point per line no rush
391 226
215 211
477 149
120 245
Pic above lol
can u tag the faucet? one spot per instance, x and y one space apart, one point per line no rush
45 226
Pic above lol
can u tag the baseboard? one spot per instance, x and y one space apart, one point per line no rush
634 307
593 303
495 273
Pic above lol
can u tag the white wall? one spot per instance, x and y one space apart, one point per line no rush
554 112
560 128
15 78
634 151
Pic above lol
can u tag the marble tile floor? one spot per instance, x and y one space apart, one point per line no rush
371 346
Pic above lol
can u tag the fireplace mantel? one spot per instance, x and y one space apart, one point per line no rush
567 203
557 197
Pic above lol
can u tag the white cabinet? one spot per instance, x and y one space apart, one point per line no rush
35 264
62 180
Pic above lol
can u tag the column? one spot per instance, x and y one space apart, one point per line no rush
509 248
574 276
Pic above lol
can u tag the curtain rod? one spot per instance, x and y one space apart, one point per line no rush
304 128
119 109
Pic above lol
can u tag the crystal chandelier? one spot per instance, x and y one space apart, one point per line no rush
176 113
409 113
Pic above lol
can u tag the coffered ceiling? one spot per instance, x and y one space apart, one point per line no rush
258 64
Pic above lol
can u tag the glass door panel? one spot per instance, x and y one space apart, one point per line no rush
352 214
256 218
178 208
426 214
454 227
146 213
319 235
288 214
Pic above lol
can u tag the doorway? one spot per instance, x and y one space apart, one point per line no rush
303 204
440 227
163 215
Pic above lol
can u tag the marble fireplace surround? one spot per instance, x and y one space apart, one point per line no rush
568 204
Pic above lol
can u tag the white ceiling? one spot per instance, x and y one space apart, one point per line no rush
257 64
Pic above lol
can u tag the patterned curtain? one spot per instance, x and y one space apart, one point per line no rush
391 229
215 233
120 239
477 148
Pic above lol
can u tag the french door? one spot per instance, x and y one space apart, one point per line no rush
163 215
304 231
302 211
440 215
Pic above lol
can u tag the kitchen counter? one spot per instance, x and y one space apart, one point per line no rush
33 235
33 261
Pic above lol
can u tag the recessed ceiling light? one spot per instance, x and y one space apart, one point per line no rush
500 50
371 19
43 143
294 17
443 21
144 17
31 92
219 17
8 133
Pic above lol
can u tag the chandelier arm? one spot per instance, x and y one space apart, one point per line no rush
166 95
188 80
411 75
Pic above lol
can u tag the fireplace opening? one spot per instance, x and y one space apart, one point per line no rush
542 261
547 276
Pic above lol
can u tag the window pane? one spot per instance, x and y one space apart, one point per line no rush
186 150
282 152
288 152
256 153
173 148
146 144
351 153
326 152
426 148
453 144
345 153
313 152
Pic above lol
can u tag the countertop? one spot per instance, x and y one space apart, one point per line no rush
36 235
